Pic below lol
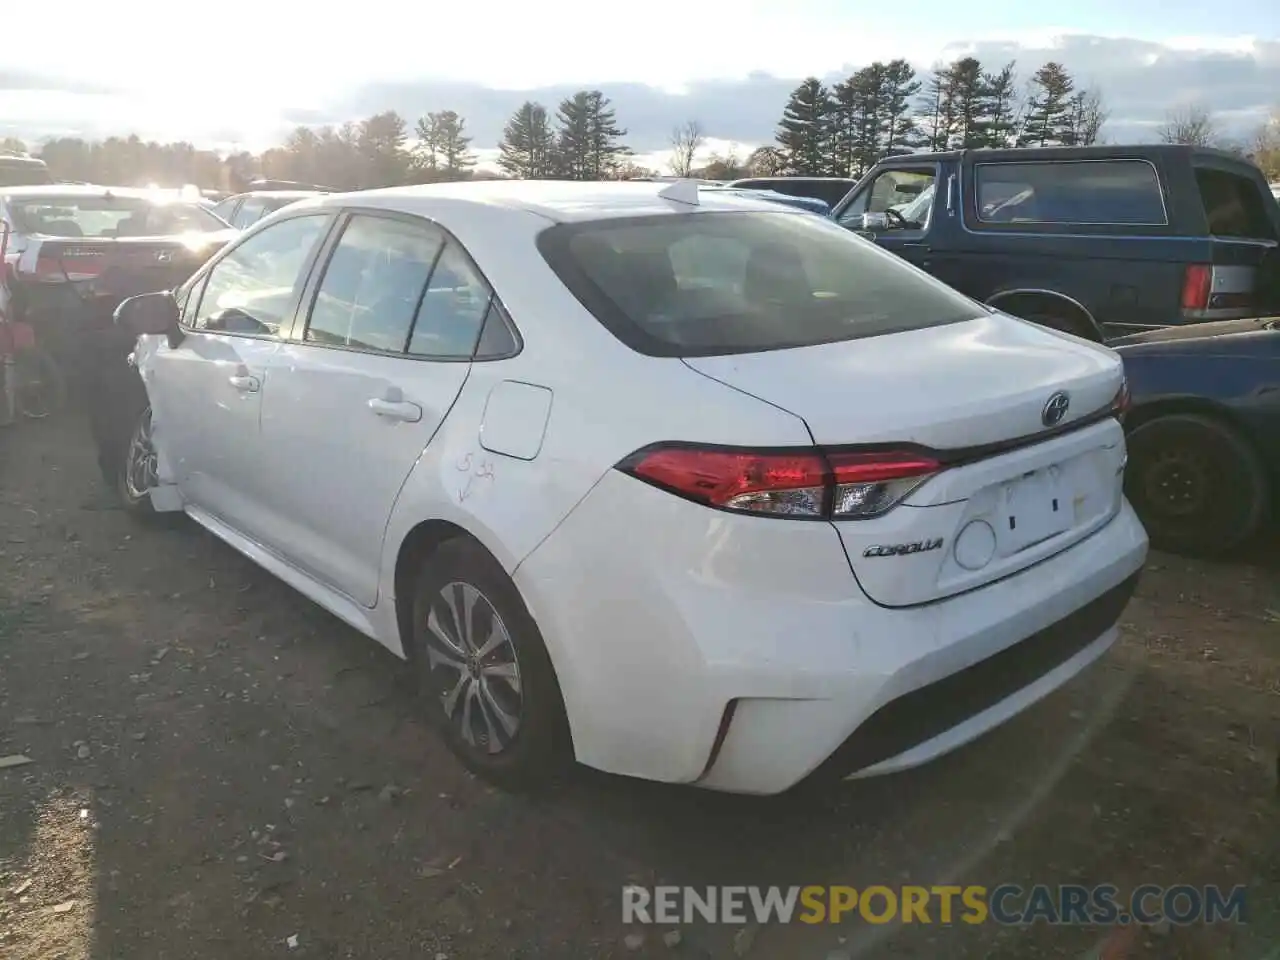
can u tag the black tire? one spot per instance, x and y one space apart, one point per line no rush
1196 483
132 479
538 749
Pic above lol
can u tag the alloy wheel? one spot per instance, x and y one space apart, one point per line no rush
474 667
140 471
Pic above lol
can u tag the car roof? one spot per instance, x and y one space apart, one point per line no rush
1101 151
70 190
561 201
276 194
782 176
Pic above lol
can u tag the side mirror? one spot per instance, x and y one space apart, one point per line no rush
149 313
875 221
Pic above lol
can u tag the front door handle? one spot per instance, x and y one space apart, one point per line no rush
244 383
401 410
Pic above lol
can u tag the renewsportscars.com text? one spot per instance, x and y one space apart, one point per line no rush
1007 904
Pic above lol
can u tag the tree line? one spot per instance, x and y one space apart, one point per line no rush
838 129
886 109
580 141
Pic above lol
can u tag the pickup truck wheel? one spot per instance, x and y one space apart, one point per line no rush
1196 483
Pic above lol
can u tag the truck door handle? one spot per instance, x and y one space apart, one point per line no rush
393 406
244 383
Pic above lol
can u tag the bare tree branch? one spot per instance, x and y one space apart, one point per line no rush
1265 148
1190 124
686 140
1089 114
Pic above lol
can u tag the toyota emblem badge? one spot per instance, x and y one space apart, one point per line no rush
1055 409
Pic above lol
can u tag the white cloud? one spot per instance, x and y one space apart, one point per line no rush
658 78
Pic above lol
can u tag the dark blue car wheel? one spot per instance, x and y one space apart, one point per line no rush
1197 484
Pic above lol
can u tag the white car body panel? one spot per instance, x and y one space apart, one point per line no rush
321 408
658 612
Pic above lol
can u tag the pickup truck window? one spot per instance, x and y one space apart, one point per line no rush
1234 205
905 196
1070 192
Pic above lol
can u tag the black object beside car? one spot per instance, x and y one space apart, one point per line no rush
1203 432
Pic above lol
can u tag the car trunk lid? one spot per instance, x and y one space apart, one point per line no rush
1021 478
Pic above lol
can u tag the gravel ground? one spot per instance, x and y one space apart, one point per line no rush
220 769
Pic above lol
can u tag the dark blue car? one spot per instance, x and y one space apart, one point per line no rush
1203 432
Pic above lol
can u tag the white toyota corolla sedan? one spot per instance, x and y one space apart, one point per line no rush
697 489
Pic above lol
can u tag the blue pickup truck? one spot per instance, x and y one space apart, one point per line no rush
1097 241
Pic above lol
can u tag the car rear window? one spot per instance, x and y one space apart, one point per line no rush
1071 192
1234 205
704 284
73 216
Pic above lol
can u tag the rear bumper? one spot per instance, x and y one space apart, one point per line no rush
942 715
663 617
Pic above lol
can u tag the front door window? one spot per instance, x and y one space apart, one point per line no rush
897 201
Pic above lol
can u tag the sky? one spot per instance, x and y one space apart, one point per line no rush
241 74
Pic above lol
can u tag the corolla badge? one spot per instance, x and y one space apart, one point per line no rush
1055 408
164 256
903 549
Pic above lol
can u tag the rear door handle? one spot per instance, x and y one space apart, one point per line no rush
401 410
244 383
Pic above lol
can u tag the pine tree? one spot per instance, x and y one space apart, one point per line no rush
608 152
588 139
844 128
1000 108
443 150
1049 114
899 87
968 104
804 131
936 115
380 141
526 148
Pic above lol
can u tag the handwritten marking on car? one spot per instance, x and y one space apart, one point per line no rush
482 471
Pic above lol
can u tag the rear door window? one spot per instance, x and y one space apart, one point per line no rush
705 284
1234 205
453 309
250 212
373 284
226 209
1105 192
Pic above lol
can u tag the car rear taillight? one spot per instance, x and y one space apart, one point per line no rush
1197 284
869 484
804 483
70 263
1120 405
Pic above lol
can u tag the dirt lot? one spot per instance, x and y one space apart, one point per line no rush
220 767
